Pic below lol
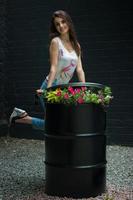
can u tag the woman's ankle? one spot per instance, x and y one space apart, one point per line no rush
25 120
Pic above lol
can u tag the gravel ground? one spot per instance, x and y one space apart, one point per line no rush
22 174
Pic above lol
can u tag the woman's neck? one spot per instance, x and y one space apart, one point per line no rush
65 38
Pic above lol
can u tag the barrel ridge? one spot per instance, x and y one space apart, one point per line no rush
102 164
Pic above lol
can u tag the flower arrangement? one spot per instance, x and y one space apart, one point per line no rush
78 95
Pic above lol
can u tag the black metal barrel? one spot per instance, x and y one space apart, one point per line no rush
75 149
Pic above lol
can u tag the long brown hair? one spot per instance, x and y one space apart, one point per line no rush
72 34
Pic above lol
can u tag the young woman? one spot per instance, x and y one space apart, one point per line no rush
65 58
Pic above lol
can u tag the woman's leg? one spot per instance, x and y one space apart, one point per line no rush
35 122
24 120
20 116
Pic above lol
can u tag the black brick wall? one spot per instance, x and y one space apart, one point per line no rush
3 75
105 32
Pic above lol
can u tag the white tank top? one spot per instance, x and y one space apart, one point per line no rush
67 62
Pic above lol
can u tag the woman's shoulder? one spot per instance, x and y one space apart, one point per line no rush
54 40
54 43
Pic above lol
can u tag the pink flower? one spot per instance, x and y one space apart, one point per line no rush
77 90
80 100
83 88
66 96
71 90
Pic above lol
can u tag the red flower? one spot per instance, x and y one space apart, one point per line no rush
80 100
71 90
58 92
66 96
77 90
83 88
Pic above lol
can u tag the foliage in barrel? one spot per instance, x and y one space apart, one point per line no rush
78 95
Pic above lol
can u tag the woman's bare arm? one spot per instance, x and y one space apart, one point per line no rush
80 71
53 51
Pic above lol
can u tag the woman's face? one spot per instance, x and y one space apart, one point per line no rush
61 25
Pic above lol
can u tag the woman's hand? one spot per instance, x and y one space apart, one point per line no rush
39 92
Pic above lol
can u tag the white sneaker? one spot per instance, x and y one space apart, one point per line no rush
16 114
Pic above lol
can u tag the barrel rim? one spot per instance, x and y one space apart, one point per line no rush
78 84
